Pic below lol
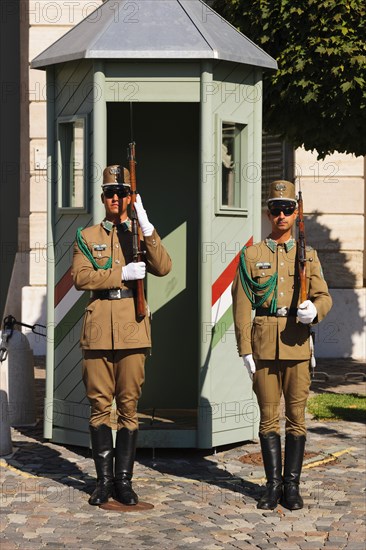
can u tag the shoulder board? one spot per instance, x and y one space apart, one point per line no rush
309 248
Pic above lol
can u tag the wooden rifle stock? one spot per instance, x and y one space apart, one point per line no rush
301 249
140 294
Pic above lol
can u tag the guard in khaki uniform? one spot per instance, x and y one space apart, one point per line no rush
113 340
275 345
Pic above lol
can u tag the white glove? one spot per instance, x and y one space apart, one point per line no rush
306 312
147 228
134 271
249 364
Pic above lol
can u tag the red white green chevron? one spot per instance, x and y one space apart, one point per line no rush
221 312
69 307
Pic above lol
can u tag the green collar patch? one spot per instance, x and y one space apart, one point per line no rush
125 226
272 245
108 226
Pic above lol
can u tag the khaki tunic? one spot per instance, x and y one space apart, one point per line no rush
269 337
112 324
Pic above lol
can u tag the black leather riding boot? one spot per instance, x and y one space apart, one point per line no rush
272 461
125 456
294 456
102 452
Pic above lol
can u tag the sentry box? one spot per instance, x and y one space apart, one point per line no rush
195 87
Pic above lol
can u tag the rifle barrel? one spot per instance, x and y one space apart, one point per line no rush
140 293
301 249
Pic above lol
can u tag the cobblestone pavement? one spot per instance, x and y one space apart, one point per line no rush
204 500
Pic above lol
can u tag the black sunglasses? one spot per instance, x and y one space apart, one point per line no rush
287 209
109 192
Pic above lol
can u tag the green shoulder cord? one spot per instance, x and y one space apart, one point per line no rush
85 250
250 287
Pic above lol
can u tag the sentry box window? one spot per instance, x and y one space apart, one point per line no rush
232 155
71 165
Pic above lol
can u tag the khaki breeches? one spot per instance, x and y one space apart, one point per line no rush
270 381
118 375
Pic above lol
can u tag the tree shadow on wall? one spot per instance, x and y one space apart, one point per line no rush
334 336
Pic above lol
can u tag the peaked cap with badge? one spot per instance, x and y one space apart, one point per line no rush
281 190
116 175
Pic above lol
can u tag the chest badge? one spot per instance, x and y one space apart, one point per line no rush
99 247
263 265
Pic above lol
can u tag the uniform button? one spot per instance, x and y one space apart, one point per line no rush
282 264
263 274
282 279
281 294
99 255
117 262
117 245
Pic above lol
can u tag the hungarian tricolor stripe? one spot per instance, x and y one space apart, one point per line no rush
221 312
69 306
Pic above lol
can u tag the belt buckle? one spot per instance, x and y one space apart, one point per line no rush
115 294
282 312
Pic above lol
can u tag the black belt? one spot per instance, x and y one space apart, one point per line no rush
280 312
113 294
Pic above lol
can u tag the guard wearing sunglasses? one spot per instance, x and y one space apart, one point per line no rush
114 341
275 345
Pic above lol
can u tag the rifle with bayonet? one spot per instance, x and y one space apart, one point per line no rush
136 249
